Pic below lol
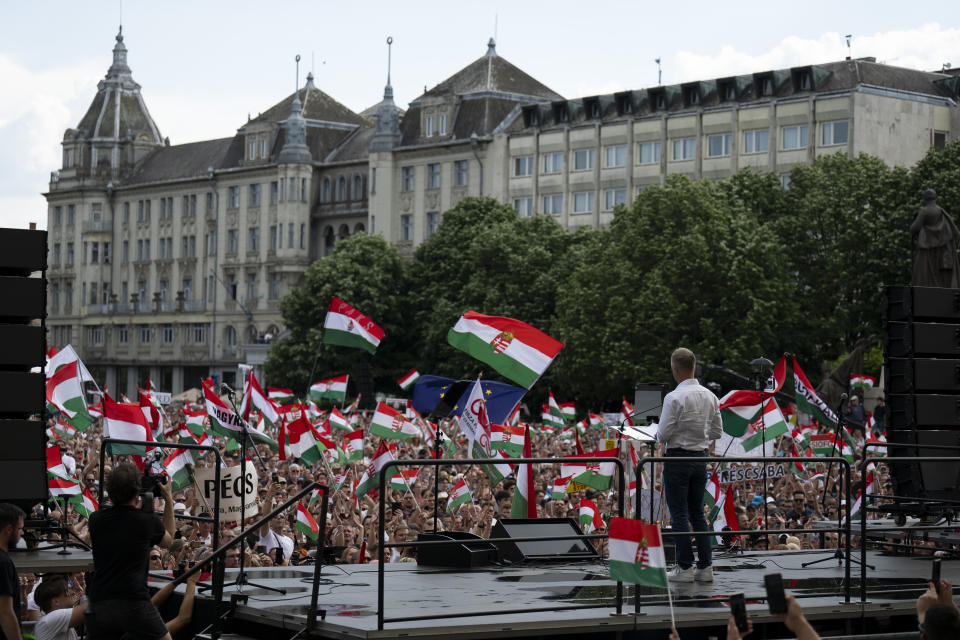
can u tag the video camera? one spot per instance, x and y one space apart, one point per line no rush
153 474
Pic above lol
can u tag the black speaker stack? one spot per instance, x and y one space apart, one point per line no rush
23 304
922 388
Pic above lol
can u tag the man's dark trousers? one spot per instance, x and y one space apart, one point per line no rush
685 483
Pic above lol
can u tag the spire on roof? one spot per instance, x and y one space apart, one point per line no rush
310 84
295 150
119 69
387 135
492 48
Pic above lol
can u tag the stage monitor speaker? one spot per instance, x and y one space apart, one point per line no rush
918 479
912 339
542 550
23 463
909 304
22 252
923 375
472 550
927 411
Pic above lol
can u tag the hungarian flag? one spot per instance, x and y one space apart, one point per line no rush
151 413
590 518
626 410
596 421
636 553
202 439
458 496
387 422
304 442
807 400
860 381
65 393
568 411
64 429
84 503
334 389
338 420
59 480
726 513
195 420
370 480
495 471
597 475
554 407
306 524
347 327
404 480
514 349
772 426
738 410
64 357
548 419
508 439
354 445
178 467
280 396
711 496
254 397
823 445
125 421
559 490
408 379
224 421
524 495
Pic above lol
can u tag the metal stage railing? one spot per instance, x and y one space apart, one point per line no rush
381 574
843 522
865 460
216 559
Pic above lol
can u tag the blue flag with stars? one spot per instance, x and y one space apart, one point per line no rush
501 398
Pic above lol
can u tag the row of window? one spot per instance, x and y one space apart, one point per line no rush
460 175
277 193
195 333
344 190
583 202
429 120
406 226
718 146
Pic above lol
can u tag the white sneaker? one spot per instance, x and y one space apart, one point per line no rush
680 575
704 575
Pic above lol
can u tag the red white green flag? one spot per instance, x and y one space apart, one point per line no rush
178 466
507 439
458 496
338 420
513 348
280 396
559 490
59 481
306 523
404 480
861 381
254 397
125 421
568 411
408 379
590 518
304 442
807 399
354 445
333 388
496 471
554 407
549 419
84 503
387 422
370 480
65 393
626 411
598 475
224 421
596 421
636 553
823 444
524 494
347 327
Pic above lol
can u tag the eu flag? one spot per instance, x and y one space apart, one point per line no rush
431 393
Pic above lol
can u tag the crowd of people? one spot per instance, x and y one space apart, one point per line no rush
801 499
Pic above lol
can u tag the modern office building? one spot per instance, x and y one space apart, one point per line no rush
170 260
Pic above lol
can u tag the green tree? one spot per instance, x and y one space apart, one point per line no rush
938 170
366 272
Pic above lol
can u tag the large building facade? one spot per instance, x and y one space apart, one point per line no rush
170 261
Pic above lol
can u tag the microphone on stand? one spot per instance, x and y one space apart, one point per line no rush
224 385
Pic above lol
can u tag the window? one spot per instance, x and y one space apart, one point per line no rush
433 221
123 291
95 335
303 236
253 150
524 206
146 249
785 181
209 201
292 189
443 124
193 206
263 148
274 290
233 197
834 133
328 241
303 189
146 210
583 201
253 242
795 137
460 173
406 178
123 334
93 293
433 176
719 146
210 287
164 287
167 334
649 152
357 188
553 162
254 195
428 126
57 216
187 288
126 213
290 236
56 253
230 336
939 139
162 249
232 240
373 180
273 237
143 333
231 287
613 197
406 228
583 160
94 252
523 166
616 155
251 286
198 333
274 192
756 141
142 290
185 207
83 255
54 296
68 159
553 204
71 214
68 297
106 253
163 208
69 253
212 243
684 148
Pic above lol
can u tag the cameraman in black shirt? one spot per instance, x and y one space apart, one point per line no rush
122 536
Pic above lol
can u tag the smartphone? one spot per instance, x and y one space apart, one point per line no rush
936 574
275 476
776 599
738 607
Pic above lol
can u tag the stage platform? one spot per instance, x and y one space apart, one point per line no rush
348 594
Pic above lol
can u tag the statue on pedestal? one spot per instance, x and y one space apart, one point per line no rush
934 236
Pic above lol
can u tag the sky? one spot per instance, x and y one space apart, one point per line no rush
204 67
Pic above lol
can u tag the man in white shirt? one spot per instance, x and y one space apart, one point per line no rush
61 613
689 422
